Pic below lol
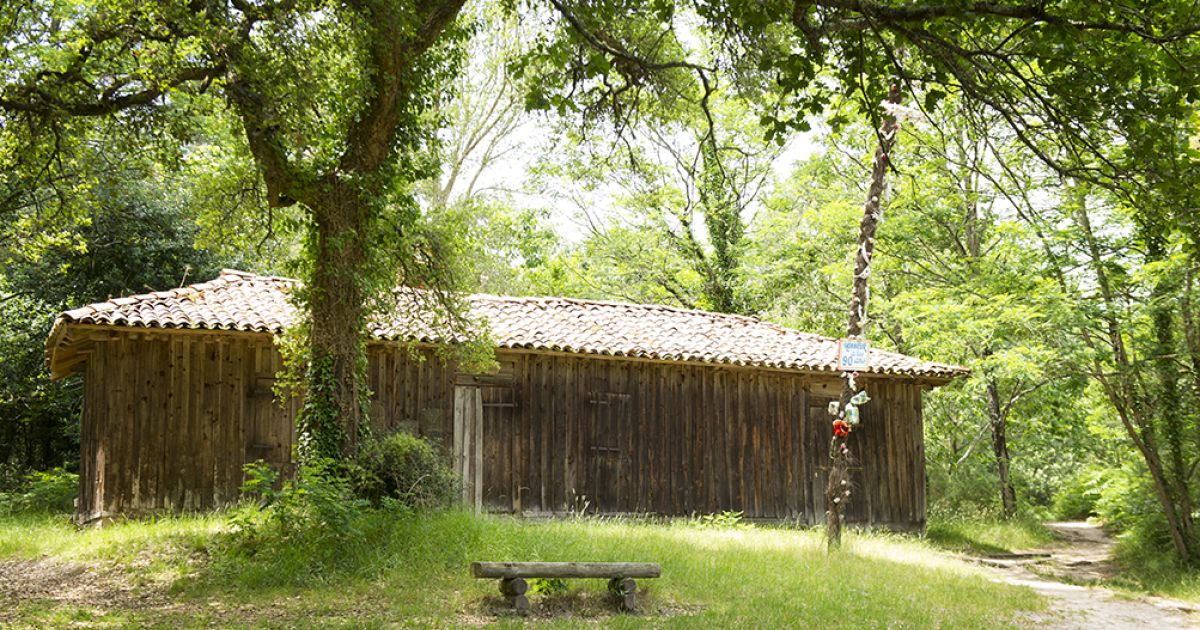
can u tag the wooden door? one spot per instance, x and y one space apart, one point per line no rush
816 456
501 488
604 456
468 443
269 423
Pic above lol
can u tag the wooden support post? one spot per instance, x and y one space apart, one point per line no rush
514 590
514 586
625 592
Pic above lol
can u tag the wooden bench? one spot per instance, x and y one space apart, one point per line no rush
512 576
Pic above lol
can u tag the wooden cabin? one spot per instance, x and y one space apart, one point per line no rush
597 407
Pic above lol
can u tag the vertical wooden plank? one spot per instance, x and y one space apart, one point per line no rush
918 432
720 428
477 447
234 442
88 452
545 430
458 440
168 468
745 447
708 421
156 442
516 469
562 419
635 425
768 474
887 475
731 452
570 429
892 476
651 444
216 405
112 417
128 461
779 443
795 401
694 403
179 398
647 426
194 386
151 441
117 423
420 400
673 427
142 430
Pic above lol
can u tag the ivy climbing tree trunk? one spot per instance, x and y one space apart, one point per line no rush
1134 405
334 100
345 203
334 407
837 487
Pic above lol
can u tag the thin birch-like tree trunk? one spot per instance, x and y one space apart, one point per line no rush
837 488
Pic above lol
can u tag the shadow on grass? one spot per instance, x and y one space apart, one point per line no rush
989 537
960 540
414 568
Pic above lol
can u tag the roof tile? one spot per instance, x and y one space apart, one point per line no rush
242 301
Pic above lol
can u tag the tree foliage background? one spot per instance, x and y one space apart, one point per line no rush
1041 226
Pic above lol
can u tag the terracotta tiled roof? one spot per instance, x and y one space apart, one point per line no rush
239 301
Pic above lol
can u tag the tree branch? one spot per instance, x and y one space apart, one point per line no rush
370 139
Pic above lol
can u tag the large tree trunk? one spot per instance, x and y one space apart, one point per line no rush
333 409
343 205
837 487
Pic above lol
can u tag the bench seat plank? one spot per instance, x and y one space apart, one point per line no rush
565 569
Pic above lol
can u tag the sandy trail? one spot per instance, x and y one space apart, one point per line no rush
1083 556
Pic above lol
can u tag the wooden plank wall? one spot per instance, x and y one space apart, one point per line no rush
170 420
573 433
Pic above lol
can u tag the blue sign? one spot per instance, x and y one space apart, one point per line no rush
853 355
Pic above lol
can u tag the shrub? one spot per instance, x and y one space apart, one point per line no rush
1078 497
306 529
50 491
1126 499
723 520
970 489
547 586
406 469
317 507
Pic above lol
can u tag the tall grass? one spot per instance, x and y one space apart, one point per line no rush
987 535
32 535
414 569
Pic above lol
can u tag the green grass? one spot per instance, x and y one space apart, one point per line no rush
1150 566
984 536
33 535
412 570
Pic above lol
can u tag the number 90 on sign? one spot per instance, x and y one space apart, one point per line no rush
853 355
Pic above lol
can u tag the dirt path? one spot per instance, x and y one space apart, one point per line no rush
1085 556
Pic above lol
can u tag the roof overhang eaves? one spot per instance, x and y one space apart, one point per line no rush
62 327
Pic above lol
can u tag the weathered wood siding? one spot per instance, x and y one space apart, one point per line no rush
169 421
613 436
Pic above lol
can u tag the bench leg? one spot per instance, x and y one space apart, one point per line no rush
625 591
513 589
